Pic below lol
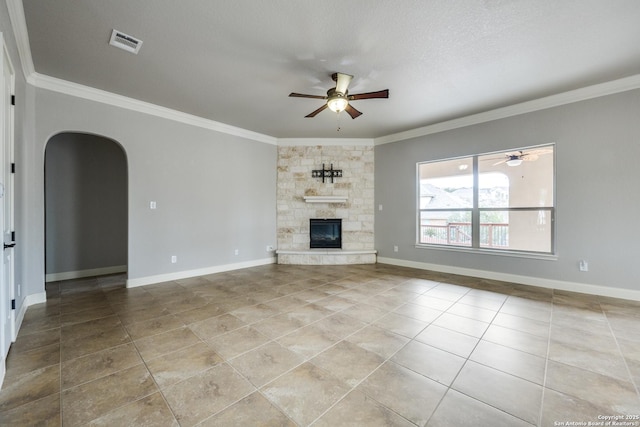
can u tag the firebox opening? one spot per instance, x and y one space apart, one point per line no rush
325 233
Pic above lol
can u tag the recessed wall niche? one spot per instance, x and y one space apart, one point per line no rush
295 182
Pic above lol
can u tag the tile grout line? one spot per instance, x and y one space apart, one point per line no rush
449 387
468 358
388 359
274 340
308 360
227 362
546 360
144 363
619 348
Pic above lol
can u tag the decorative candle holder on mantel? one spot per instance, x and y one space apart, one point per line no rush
326 173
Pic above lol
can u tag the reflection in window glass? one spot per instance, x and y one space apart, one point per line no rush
447 184
529 181
493 190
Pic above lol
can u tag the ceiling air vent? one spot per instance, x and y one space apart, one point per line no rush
125 42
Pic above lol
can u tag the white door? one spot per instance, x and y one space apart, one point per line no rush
6 211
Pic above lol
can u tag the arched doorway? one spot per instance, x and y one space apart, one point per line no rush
86 205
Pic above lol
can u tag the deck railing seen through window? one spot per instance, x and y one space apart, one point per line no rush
492 235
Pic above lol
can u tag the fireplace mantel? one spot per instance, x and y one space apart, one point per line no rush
325 199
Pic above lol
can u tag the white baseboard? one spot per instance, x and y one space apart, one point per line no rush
607 291
68 275
17 323
34 299
148 280
28 301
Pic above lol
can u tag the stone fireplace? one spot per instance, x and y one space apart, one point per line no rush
302 197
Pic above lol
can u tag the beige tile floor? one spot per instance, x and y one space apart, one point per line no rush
278 345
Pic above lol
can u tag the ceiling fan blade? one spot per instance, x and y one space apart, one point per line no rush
317 111
530 157
302 95
500 162
352 111
342 82
540 151
369 95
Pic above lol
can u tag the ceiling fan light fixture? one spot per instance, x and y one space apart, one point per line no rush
514 161
338 97
337 103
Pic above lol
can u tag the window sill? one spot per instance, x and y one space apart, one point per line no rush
514 254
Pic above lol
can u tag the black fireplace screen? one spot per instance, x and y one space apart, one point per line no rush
325 233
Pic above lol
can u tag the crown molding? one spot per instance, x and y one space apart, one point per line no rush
74 89
582 94
86 92
19 24
310 142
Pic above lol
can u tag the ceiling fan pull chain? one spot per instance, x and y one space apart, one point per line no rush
338 121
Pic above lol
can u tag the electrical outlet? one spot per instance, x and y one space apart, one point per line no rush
269 248
19 290
379 207
584 265
174 259
395 249
152 205
236 252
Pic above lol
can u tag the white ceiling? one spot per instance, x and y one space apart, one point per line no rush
236 61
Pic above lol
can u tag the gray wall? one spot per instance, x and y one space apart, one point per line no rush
597 200
215 192
85 203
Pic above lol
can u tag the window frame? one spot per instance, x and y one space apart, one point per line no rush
476 211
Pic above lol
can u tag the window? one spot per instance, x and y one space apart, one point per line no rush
499 201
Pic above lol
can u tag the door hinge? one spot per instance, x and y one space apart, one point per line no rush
13 168
13 236
13 100
13 304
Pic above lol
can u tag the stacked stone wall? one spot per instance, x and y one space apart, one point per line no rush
295 165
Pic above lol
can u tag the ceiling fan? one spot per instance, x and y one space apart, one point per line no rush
338 97
515 159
